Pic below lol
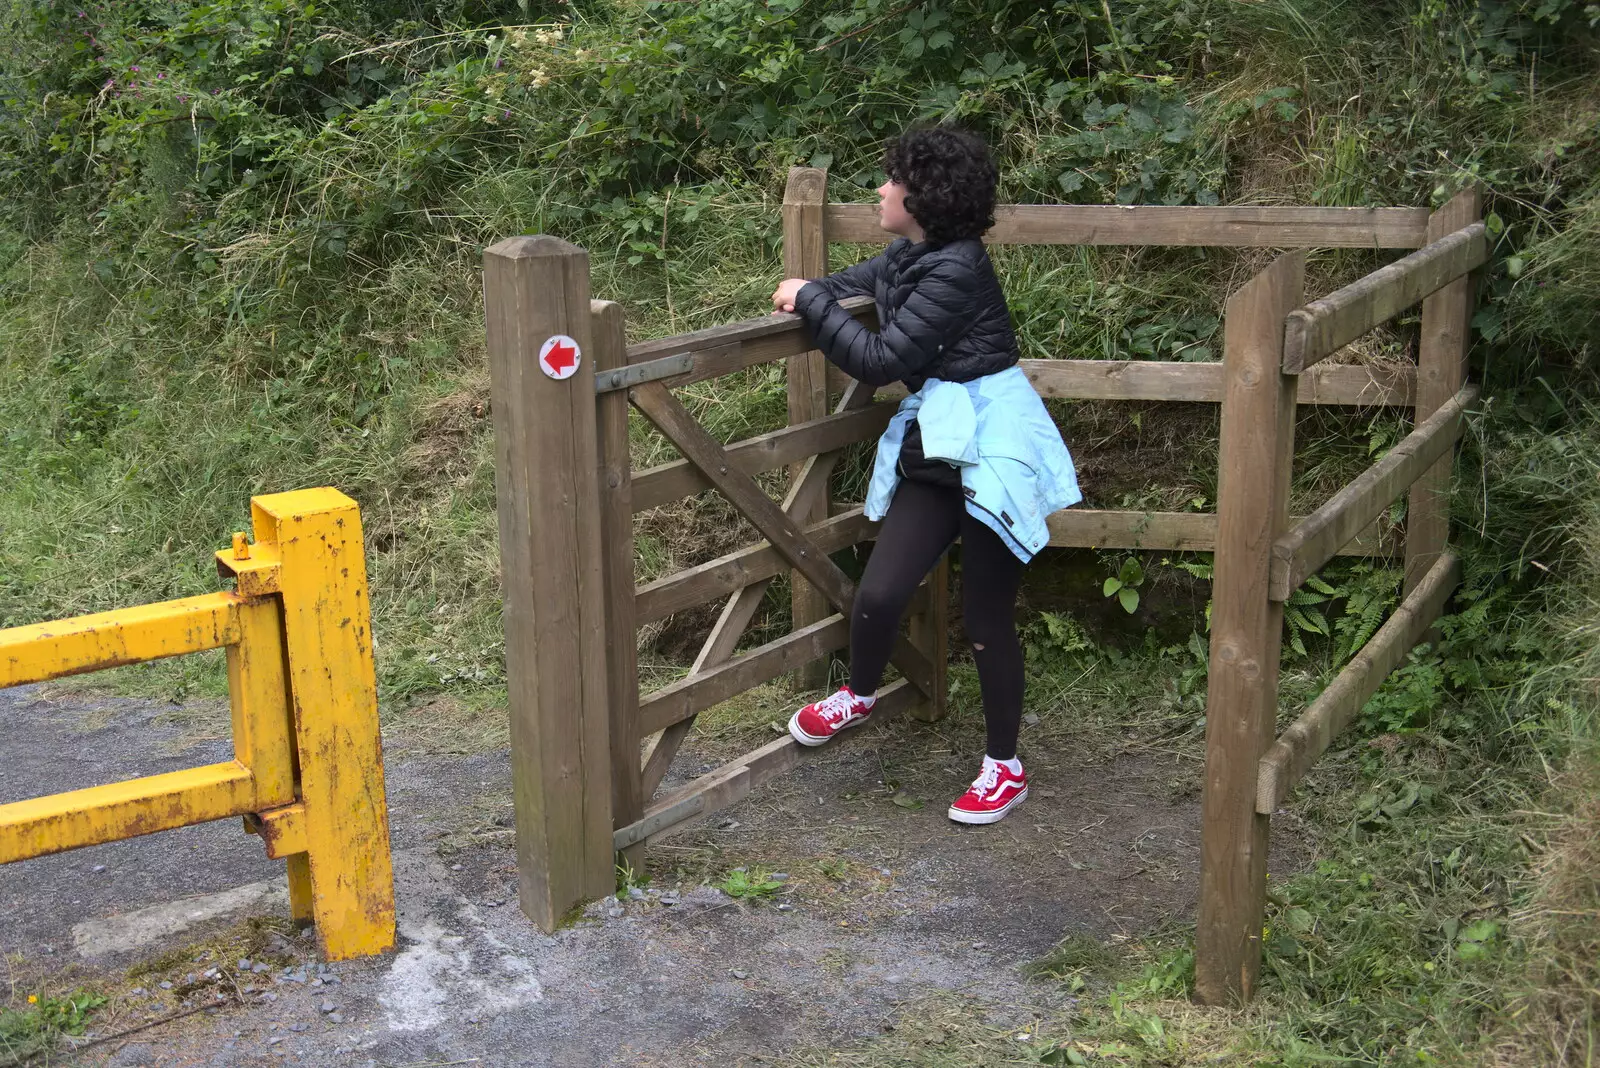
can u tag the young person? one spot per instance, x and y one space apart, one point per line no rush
971 452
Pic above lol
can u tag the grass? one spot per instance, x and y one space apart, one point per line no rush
39 1024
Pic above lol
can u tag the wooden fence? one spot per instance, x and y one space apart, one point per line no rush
589 751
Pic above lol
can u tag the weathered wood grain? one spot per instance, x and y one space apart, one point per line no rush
1097 224
1441 372
1313 542
547 459
1256 457
1309 736
1324 326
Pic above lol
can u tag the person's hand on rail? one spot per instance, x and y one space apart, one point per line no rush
783 297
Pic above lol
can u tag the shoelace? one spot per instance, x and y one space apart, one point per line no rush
836 706
987 780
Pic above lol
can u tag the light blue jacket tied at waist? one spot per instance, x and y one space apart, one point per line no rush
1015 469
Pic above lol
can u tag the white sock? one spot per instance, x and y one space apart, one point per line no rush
868 699
1013 765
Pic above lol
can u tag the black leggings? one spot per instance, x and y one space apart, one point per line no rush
922 522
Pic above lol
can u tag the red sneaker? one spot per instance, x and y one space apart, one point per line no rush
816 723
995 792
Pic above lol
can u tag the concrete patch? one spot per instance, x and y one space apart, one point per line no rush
147 926
454 965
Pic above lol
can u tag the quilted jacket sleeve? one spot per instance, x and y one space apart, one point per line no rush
936 312
857 280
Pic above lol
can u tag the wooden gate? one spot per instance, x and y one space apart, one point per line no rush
589 752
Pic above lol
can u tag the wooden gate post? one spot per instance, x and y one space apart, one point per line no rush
1441 371
616 523
546 468
929 631
1255 463
805 255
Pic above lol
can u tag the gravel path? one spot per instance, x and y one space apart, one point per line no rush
881 902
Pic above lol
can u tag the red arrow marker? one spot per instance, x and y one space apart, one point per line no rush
559 357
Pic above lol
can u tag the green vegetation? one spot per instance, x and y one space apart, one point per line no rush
38 1024
238 253
751 885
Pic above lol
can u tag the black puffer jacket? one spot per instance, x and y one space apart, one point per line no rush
941 314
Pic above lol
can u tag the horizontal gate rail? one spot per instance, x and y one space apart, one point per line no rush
723 350
45 651
690 696
741 568
99 814
727 784
671 481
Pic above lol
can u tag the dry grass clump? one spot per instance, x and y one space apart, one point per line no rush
442 449
1556 1019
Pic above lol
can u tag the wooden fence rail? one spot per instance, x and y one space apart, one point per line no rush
1219 227
672 481
1314 541
1324 326
1299 746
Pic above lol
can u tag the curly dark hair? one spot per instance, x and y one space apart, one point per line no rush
950 179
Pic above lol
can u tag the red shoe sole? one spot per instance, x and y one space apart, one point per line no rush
961 815
799 734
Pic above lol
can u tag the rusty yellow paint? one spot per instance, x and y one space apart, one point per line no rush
54 824
302 903
282 829
110 639
256 575
308 768
258 692
328 637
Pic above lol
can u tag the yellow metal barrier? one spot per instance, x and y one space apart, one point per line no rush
307 772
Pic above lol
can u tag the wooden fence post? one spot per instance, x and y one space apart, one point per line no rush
1441 370
1255 463
805 255
929 631
536 289
616 524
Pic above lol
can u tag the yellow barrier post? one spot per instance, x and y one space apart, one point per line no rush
344 856
307 773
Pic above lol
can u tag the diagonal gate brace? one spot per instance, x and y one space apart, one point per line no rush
742 491
742 604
